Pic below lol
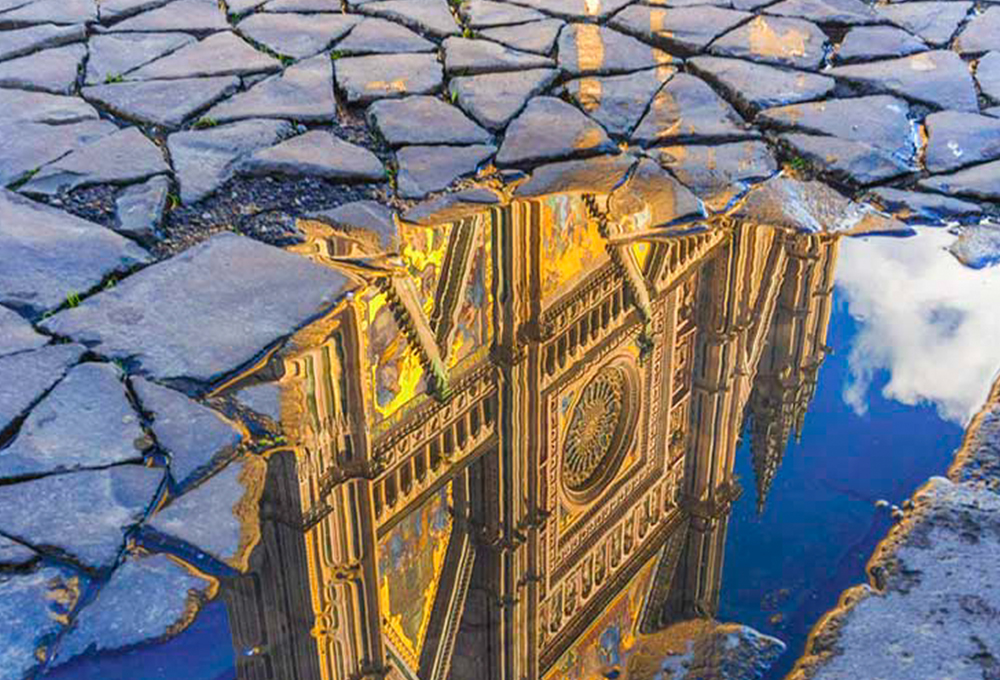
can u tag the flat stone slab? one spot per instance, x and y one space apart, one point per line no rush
365 79
493 99
988 75
28 146
13 554
315 154
468 57
423 120
719 173
16 334
935 22
297 35
52 70
549 129
430 16
687 108
979 181
86 421
576 9
206 312
367 217
776 40
751 87
866 43
378 36
139 209
538 37
978 246
425 169
121 157
618 102
166 103
263 399
27 376
46 254
302 92
304 6
220 54
193 16
19 106
939 78
451 207
654 193
33 607
956 139
50 12
836 12
588 49
205 159
196 438
110 10
917 206
27 40
80 515
682 30
854 162
600 175
981 34
487 13
112 55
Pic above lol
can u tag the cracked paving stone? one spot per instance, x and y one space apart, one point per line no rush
576 9
979 181
368 218
53 70
847 160
752 87
47 254
296 35
172 593
538 37
192 16
423 120
86 421
263 399
25 147
920 207
587 49
220 516
940 79
776 40
51 12
119 158
202 314
27 40
988 75
430 16
379 36
549 129
303 92
167 103
139 209
113 55
20 106
426 169
26 376
686 107
487 13
17 335
935 22
111 10
316 153
237 8
666 200
837 12
981 34
221 54
719 173
601 174
463 56
956 139
451 207
196 438
13 554
365 79
493 99
865 43
978 246
205 159
684 30
304 6
82 515
618 102
995 112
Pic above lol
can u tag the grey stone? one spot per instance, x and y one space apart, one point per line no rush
684 30
206 312
26 376
776 40
940 79
369 217
538 37
978 246
549 129
17 335
167 103
237 8
979 181
304 6
303 92
33 607
430 16
205 159
119 158
843 159
866 43
220 54
115 54
27 146
994 111
425 169
719 173
264 399
469 57
171 593
599 175
113 10
192 16
654 193
751 87
316 153
50 12
365 79
981 34
296 35
13 554
46 254
618 102
988 75
196 438
378 36
82 515
493 99
139 209
452 206
487 13
837 12
956 139
86 421
920 207
28 40
576 9
935 22
587 49
19 106
685 108
53 70
423 120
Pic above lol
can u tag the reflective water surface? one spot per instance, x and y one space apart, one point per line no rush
543 440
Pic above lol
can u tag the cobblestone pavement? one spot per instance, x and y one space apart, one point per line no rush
132 132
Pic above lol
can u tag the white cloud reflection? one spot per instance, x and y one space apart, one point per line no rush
931 323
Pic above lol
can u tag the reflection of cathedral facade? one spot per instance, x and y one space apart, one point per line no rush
511 449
